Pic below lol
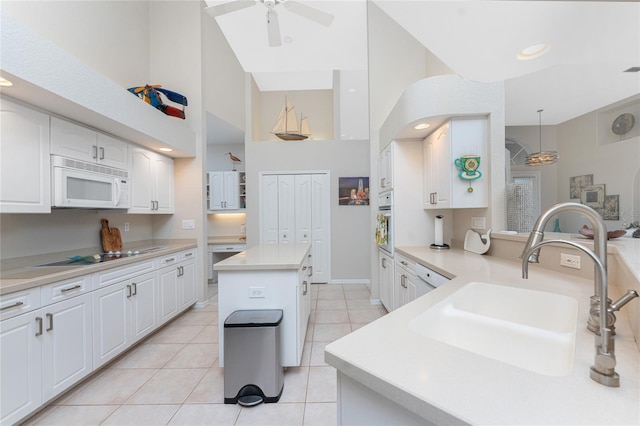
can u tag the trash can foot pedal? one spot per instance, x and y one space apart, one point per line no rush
250 400
251 395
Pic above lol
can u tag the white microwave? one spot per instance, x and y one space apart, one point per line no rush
79 184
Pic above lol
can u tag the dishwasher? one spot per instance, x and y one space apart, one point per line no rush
430 277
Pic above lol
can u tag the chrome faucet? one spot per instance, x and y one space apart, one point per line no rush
603 370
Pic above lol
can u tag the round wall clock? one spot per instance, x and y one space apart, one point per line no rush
623 123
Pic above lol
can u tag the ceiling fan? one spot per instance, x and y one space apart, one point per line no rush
273 28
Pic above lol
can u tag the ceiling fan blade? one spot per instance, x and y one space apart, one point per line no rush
273 29
232 6
316 15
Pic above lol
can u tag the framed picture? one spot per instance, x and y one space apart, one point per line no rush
353 191
593 196
611 209
577 183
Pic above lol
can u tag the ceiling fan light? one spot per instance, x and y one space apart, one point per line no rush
421 126
533 51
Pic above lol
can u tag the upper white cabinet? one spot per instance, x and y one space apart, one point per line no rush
25 165
385 167
294 208
81 143
445 185
151 182
224 190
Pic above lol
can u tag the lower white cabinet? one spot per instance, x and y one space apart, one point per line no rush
123 313
45 351
55 335
177 284
21 366
386 277
404 286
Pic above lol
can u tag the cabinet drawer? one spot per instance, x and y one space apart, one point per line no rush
66 289
17 303
408 265
168 260
187 255
111 276
230 248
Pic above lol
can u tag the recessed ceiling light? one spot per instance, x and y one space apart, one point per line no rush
421 126
5 83
166 149
533 51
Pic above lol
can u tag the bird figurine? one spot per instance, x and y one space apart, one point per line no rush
234 160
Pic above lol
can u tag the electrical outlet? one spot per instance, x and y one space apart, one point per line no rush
478 222
126 227
256 293
570 261
188 224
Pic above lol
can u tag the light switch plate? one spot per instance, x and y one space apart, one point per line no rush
188 224
257 293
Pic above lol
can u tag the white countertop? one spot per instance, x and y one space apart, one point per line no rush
19 274
445 384
272 256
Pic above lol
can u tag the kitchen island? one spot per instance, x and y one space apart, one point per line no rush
390 374
269 277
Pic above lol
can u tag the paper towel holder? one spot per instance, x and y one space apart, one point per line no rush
439 244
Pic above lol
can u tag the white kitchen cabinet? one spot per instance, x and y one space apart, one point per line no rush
46 349
404 285
20 366
443 186
67 349
386 275
152 182
303 305
25 164
385 168
177 284
294 208
123 313
224 190
81 143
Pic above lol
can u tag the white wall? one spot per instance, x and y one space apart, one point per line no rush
614 165
351 234
110 36
62 230
315 104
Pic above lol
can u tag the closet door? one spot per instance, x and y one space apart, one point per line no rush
321 228
303 208
286 209
269 210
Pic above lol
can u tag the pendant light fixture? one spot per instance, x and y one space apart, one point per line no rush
541 158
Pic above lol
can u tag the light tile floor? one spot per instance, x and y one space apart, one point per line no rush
173 377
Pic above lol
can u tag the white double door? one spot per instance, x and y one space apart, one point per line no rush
295 208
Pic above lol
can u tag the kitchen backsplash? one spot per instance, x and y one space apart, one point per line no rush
62 230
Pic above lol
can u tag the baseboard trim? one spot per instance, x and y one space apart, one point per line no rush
352 282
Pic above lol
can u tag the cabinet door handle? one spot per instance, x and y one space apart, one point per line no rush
404 263
101 153
128 291
304 268
15 305
403 281
64 290
171 259
310 270
50 317
135 288
39 321
188 255
384 263
304 284
95 151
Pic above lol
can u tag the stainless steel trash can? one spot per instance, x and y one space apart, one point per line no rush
253 372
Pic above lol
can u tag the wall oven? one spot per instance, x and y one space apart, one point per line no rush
384 222
79 184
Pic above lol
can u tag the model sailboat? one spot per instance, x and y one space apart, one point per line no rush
286 127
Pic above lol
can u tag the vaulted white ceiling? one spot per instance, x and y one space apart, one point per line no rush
592 43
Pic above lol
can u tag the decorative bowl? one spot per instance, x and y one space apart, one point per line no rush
588 232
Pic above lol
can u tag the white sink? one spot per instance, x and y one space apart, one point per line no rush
530 329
